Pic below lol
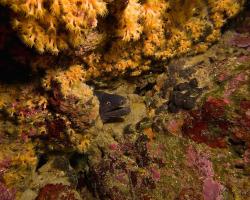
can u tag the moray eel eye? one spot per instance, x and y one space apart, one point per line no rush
112 107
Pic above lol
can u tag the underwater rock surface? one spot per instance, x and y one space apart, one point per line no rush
136 101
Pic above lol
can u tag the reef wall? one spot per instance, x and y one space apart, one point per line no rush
120 37
176 127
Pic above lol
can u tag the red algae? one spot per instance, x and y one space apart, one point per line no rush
221 117
56 192
213 109
56 128
208 125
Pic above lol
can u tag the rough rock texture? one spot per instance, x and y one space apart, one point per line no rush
186 135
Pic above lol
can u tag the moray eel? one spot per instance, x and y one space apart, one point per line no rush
112 107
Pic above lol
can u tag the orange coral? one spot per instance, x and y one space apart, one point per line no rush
136 32
55 25
223 9
129 27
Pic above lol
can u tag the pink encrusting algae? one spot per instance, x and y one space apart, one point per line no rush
240 41
212 189
6 194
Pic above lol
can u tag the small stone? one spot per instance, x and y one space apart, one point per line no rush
157 125
178 99
185 73
182 86
170 82
144 123
189 103
193 83
172 108
198 91
162 108
149 101
129 129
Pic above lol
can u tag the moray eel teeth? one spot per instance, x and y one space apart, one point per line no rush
112 107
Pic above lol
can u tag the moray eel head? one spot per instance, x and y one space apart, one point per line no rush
112 107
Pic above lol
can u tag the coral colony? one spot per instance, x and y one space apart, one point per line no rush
124 100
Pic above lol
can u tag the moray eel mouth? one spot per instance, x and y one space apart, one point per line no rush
112 107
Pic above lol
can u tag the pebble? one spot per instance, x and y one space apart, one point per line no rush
185 73
184 96
189 103
162 108
193 83
182 86
178 99
172 108
129 129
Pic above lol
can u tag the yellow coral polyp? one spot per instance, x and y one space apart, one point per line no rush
61 43
82 14
221 7
196 28
130 29
29 39
75 73
166 28
50 24
55 8
33 8
151 12
23 162
67 79
76 39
